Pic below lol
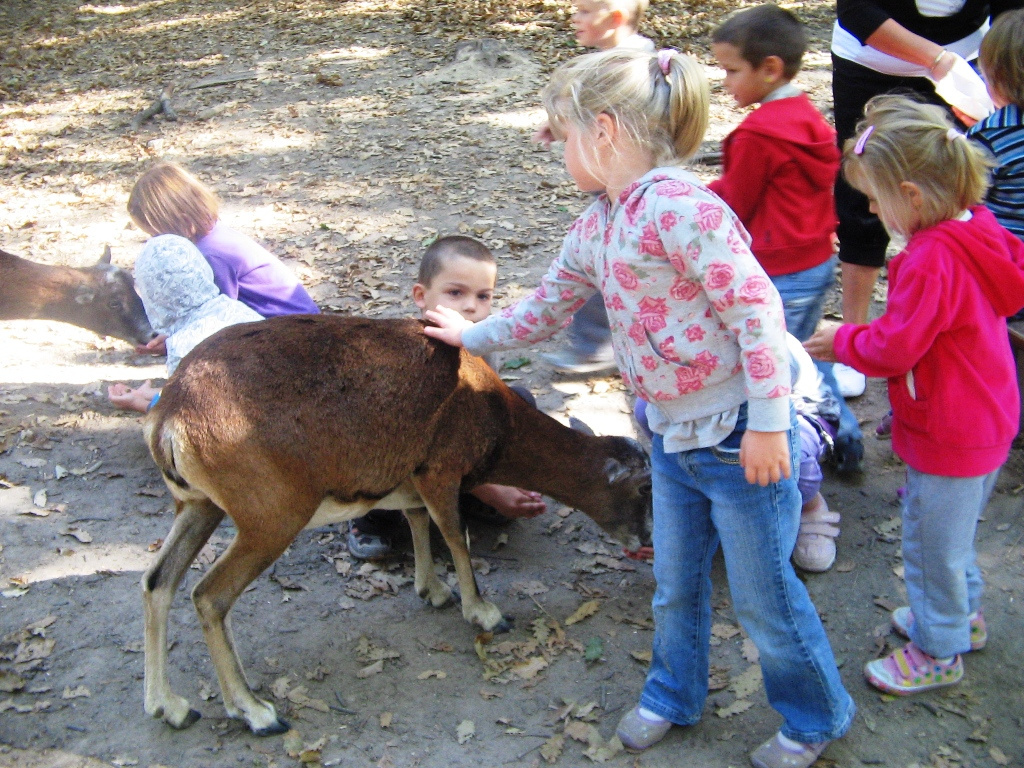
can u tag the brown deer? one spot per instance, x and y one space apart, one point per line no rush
100 298
302 421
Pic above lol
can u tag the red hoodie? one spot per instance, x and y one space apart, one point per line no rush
780 165
943 345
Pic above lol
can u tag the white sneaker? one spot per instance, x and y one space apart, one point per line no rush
852 383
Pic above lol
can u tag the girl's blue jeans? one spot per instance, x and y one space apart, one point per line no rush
944 583
701 499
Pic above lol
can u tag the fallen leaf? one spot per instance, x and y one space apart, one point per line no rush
998 756
886 604
530 668
81 692
35 511
371 669
718 678
515 363
34 648
298 695
644 657
586 610
845 566
604 752
385 719
724 631
438 673
488 695
78 533
481 640
594 650
738 706
292 742
585 732
749 651
10 682
39 499
746 682
206 691
280 687
551 749
465 731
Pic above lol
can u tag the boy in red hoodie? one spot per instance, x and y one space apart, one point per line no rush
779 170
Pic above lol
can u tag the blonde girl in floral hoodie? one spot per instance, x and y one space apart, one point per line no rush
698 332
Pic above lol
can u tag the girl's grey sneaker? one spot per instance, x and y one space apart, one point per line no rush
774 754
903 620
570 361
637 732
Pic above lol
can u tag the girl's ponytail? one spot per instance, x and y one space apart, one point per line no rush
660 101
688 105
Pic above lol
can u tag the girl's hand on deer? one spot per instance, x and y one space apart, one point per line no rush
448 325
822 345
765 456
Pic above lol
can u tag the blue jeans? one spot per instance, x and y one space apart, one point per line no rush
803 297
701 499
944 584
803 300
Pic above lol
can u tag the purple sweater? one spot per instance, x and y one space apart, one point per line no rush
245 270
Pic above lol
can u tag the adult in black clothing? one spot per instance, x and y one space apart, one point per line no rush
879 46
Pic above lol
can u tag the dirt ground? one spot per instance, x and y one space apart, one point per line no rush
344 136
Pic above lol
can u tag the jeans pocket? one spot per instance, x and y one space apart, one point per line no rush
726 455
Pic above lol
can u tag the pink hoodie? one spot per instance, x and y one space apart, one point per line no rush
943 345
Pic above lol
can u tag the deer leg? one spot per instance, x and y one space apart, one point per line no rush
428 585
442 501
194 523
243 560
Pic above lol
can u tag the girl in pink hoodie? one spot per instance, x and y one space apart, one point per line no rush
942 344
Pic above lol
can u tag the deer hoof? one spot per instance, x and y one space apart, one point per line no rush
281 726
188 720
503 626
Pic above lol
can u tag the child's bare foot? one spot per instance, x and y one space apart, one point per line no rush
137 399
511 502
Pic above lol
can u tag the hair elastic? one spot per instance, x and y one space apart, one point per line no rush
665 60
858 148
953 134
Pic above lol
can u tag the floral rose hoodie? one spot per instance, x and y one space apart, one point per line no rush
697 326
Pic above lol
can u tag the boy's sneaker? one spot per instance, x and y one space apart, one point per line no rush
774 753
852 382
911 670
367 538
903 620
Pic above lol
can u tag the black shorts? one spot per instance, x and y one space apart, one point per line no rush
862 238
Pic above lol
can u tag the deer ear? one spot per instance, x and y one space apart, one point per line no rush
84 294
615 470
105 258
